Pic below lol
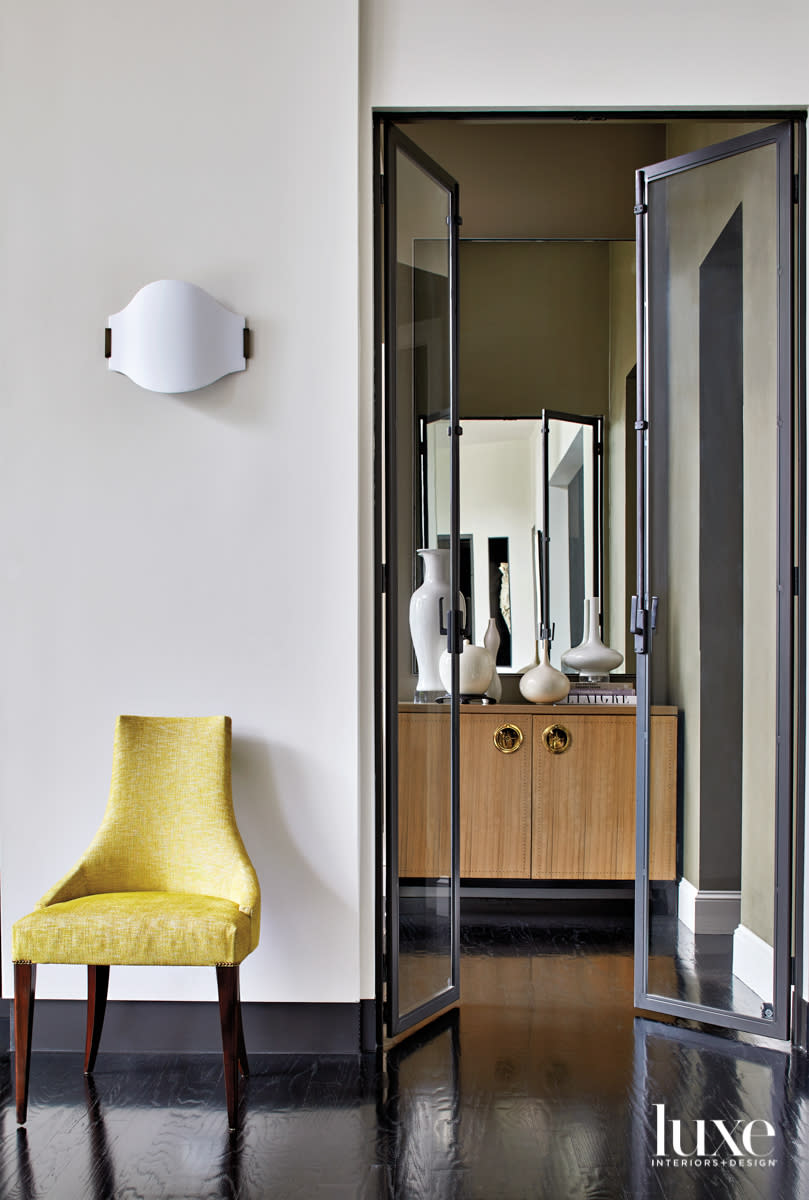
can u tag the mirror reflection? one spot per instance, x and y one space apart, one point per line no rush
512 490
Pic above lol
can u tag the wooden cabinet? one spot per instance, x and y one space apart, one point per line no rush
530 813
584 799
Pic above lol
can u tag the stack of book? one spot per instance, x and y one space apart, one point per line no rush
583 691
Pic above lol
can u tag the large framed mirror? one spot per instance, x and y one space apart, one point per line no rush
518 487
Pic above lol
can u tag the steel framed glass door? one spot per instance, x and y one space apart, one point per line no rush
714 609
421 703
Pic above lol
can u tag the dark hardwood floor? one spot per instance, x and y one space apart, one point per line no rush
543 1087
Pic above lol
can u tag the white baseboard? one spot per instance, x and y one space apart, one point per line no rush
753 962
708 911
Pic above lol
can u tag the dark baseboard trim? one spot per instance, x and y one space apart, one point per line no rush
368 1026
800 1023
189 1027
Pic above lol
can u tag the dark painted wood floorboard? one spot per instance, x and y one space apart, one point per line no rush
543 1089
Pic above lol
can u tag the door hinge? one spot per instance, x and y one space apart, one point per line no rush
454 629
796 581
383 577
796 189
380 188
640 209
642 622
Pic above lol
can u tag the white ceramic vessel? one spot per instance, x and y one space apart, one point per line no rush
592 658
427 604
475 668
544 684
491 641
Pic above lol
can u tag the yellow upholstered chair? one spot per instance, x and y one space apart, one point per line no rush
166 881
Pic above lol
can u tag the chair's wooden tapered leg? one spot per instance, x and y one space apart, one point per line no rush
98 979
227 979
243 1064
25 975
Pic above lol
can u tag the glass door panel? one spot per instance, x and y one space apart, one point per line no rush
715 564
423 571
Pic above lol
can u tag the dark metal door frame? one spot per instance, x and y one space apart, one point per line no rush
645 604
404 116
389 139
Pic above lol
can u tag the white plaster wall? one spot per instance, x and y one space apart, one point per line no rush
195 554
698 54
469 53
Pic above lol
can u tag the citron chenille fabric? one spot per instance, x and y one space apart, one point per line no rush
166 881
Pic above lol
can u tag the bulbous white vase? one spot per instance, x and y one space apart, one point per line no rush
491 641
475 667
592 658
544 684
426 609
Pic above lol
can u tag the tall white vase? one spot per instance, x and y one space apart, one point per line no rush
491 640
427 605
592 658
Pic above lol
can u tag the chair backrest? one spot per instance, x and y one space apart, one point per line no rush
169 823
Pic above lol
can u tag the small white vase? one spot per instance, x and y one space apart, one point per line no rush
544 684
491 640
592 658
426 606
475 667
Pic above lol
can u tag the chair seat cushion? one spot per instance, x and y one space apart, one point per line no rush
135 929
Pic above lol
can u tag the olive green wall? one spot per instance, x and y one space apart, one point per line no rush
534 327
546 180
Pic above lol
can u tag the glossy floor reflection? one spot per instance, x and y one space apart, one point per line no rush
544 1087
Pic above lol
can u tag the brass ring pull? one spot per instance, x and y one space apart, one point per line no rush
556 739
508 738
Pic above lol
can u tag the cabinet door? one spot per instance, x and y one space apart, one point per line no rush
424 825
584 798
495 797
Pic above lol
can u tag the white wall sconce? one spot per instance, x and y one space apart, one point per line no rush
175 337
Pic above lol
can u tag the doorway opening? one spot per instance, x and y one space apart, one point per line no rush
546 306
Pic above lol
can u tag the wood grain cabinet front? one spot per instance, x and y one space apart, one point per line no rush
546 793
495 797
584 799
